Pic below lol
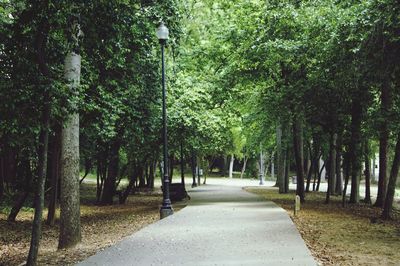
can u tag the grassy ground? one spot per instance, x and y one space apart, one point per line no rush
101 227
341 236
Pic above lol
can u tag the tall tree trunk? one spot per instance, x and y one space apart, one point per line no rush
346 173
387 208
40 43
243 167
113 168
332 167
182 166
355 148
131 185
41 178
339 181
231 166
279 158
386 102
298 153
194 184
70 225
320 175
199 166
287 169
272 166
367 172
55 175
261 166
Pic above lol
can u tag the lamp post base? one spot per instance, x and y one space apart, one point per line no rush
165 212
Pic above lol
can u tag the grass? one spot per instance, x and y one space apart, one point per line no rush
341 236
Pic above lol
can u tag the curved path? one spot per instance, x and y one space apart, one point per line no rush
222 225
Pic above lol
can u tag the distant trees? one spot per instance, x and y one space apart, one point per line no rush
325 69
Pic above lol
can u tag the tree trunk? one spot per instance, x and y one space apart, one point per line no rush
279 158
320 175
40 43
244 167
231 166
387 208
272 167
355 146
41 179
298 153
113 168
182 166
332 167
346 170
55 175
152 174
287 169
70 228
386 103
367 173
199 166
131 185
339 181
261 166
194 184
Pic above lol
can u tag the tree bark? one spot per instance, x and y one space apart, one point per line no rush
287 169
386 103
193 164
244 167
70 228
113 168
298 153
339 181
231 166
367 172
320 175
55 175
261 166
41 179
388 206
332 167
279 158
355 148
182 165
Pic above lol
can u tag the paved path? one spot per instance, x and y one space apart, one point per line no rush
222 225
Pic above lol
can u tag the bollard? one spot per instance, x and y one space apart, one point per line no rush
296 205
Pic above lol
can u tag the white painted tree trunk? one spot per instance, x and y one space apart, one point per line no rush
70 228
231 166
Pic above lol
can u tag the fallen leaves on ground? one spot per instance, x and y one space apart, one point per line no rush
102 226
341 236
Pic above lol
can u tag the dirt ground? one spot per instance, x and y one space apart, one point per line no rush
342 236
102 226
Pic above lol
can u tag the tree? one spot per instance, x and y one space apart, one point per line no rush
70 227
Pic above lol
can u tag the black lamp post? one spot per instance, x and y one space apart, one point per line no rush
166 208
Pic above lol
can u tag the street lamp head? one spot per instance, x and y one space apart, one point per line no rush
162 32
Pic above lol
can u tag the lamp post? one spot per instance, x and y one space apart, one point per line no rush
166 207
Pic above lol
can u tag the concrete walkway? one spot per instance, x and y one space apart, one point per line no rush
222 225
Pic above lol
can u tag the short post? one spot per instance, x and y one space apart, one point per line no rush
296 205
